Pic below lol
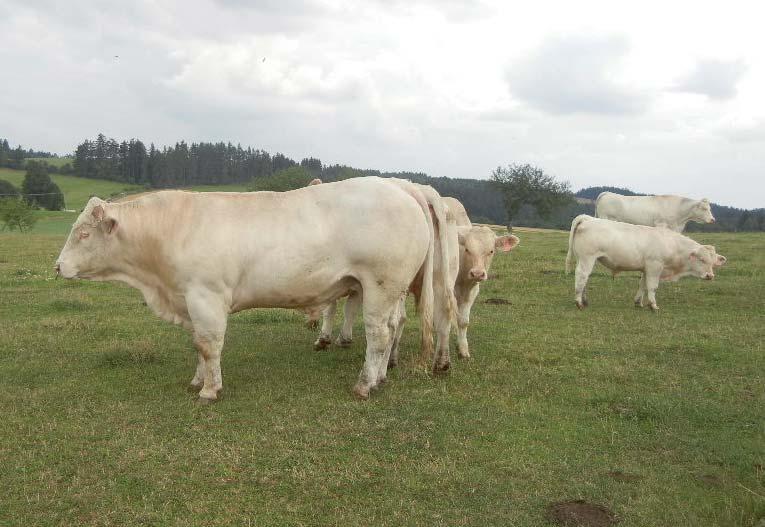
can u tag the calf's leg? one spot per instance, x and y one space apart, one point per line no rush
641 292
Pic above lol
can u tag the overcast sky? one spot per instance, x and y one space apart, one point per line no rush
660 97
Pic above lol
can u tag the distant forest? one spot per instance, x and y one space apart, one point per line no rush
184 165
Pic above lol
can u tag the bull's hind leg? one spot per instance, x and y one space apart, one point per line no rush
350 312
208 319
583 269
327 321
651 284
379 308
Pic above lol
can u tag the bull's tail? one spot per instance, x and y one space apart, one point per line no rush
574 224
425 295
596 204
438 209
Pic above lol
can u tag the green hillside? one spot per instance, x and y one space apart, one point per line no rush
52 161
76 190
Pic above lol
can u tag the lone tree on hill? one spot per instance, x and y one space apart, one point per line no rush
39 190
529 185
15 213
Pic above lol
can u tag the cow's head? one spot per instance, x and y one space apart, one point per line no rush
702 212
478 245
89 249
703 260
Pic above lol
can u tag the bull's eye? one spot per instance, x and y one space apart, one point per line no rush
491 252
467 251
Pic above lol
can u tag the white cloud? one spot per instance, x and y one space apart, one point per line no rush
451 88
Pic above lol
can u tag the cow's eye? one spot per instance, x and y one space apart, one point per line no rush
491 252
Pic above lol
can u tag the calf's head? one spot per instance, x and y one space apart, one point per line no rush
703 260
478 245
89 249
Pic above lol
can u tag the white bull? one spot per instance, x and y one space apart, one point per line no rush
197 257
672 212
657 252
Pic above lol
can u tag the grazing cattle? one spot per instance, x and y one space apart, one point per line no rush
197 257
657 252
471 251
477 246
314 181
672 212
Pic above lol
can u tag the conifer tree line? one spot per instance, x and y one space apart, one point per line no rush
14 157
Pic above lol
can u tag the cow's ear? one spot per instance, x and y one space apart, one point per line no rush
693 256
720 260
108 225
506 243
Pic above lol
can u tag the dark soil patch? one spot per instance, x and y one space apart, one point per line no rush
626 477
579 513
711 480
498 301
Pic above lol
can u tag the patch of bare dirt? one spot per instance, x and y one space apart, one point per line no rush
579 513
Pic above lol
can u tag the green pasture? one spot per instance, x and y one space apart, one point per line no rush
659 417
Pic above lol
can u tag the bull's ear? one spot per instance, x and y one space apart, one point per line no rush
720 260
98 212
461 237
506 243
105 222
693 256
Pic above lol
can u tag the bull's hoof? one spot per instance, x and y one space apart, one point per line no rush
344 342
194 388
205 400
322 343
392 363
440 369
382 380
312 324
654 308
638 303
361 392
585 302
581 305
463 354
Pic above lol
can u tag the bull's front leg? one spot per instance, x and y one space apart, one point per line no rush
327 321
208 319
401 315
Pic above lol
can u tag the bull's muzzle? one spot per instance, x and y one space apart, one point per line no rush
709 276
478 274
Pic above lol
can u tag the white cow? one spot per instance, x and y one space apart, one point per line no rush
197 257
672 212
471 250
657 252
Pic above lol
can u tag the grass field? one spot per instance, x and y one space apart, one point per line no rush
659 417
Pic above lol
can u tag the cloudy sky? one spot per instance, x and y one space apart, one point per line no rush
661 97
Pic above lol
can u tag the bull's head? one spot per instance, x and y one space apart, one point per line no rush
91 242
702 212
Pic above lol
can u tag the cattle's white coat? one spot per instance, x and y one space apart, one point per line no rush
659 253
197 257
669 211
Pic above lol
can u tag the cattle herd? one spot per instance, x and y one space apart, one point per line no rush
197 257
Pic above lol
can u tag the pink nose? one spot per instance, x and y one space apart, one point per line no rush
713 220
477 274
